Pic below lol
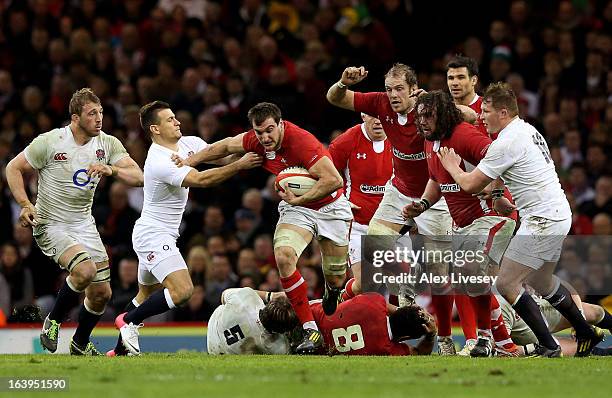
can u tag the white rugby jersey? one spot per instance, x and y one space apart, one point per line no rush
65 191
164 197
521 158
235 328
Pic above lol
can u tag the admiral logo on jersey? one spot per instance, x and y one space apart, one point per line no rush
374 189
412 156
450 187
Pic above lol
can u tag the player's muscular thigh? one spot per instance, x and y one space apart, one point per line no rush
82 273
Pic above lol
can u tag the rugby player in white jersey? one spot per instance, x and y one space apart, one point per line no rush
251 322
520 156
163 278
70 161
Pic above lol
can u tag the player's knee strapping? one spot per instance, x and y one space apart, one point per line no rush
102 275
378 228
334 265
290 238
77 259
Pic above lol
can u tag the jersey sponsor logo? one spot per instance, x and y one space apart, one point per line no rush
450 187
60 157
374 189
361 155
100 154
408 156
81 181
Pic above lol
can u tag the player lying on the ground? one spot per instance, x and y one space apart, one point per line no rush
527 340
251 322
364 325
368 325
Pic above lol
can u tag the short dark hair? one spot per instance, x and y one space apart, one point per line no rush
403 70
459 61
278 316
447 114
260 112
80 98
407 323
501 96
149 114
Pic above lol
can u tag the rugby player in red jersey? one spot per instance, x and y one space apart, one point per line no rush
476 225
362 155
323 212
462 78
395 110
367 325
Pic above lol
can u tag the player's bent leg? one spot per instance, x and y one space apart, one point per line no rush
82 271
335 261
97 295
289 243
509 285
560 298
144 291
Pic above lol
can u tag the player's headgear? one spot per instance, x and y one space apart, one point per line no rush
408 323
278 316
441 104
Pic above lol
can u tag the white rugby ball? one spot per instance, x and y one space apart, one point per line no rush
297 179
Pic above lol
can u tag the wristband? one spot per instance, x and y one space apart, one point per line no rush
425 203
497 194
341 85
114 171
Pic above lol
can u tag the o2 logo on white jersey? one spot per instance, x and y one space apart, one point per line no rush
352 338
81 179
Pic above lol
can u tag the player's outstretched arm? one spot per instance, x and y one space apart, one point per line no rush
15 170
220 149
339 94
212 177
472 182
328 180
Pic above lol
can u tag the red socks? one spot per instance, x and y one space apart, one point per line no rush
443 308
296 290
348 293
467 317
500 331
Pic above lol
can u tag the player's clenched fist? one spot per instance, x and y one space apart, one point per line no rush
180 162
353 75
99 170
413 210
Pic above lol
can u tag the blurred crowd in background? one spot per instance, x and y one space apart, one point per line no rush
212 60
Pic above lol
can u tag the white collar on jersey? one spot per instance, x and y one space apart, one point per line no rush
436 146
378 146
402 119
510 125
476 96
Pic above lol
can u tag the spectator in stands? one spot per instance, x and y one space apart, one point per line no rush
219 276
18 277
198 261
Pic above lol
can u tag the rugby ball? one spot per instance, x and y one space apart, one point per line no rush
297 179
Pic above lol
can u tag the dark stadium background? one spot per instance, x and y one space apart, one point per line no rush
212 60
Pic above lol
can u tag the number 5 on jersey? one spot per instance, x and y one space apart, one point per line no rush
233 335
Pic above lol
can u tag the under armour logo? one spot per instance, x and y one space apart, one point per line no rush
389 119
283 160
361 156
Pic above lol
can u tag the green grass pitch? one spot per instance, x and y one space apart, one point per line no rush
200 375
